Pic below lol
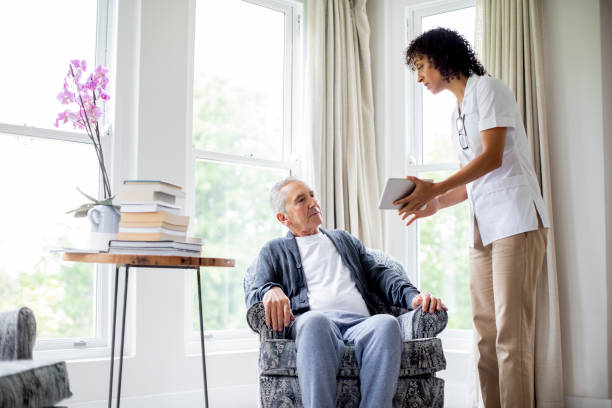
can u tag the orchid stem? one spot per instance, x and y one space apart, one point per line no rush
94 139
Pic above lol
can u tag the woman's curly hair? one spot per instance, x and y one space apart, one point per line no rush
450 53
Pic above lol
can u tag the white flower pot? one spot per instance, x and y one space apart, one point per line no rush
104 226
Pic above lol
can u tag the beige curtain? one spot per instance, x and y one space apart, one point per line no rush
340 118
511 49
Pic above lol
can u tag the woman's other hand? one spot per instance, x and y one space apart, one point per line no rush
431 208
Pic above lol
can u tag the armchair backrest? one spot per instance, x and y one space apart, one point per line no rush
249 276
17 334
397 268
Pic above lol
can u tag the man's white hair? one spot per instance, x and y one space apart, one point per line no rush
278 199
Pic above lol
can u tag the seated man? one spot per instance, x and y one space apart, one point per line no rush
319 284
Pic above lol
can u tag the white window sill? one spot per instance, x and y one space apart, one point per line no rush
72 354
223 341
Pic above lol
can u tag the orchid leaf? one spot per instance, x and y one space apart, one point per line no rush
82 210
88 197
81 214
108 201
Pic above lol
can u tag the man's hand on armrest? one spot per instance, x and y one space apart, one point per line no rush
429 302
278 309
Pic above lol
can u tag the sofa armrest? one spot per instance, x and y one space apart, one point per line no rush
417 324
256 318
17 334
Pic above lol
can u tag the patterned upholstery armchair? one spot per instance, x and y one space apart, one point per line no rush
23 381
421 358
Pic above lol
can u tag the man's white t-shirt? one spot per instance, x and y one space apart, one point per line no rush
330 285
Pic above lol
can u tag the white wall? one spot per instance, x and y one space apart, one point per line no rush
575 78
164 93
606 69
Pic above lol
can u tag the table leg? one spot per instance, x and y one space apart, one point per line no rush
202 338
125 292
112 359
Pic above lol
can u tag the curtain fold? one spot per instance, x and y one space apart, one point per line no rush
511 50
339 113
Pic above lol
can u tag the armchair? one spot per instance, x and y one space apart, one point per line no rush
421 358
23 381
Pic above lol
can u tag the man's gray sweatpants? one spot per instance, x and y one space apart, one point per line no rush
320 338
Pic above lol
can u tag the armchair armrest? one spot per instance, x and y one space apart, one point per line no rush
417 324
17 334
256 318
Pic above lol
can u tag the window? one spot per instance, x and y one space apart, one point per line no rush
40 166
440 242
244 121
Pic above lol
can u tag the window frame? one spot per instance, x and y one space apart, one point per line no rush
413 125
220 341
97 345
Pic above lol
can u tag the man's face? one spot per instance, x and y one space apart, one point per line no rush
428 75
303 214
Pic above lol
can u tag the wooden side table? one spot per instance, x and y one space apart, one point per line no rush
148 261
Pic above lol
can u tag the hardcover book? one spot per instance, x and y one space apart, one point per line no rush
148 206
153 185
152 217
170 244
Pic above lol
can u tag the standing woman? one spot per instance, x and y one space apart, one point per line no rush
507 214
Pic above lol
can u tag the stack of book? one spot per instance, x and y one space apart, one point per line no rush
151 222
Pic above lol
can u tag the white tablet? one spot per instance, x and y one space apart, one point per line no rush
395 188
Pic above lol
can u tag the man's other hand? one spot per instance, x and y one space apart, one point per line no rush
429 302
278 309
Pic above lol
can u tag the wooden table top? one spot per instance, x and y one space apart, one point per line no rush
147 260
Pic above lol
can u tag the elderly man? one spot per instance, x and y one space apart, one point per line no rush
319 284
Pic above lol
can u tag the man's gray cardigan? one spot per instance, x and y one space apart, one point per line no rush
279 264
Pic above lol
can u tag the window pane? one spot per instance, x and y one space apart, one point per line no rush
443 258
437 109
40 178
39 38
234 218
238 79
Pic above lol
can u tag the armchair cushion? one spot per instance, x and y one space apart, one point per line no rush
29 383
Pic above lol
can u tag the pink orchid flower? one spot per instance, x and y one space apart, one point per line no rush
85 90
65 97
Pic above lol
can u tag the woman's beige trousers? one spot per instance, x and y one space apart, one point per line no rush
503 278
